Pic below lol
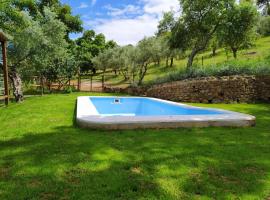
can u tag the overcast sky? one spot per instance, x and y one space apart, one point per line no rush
125 21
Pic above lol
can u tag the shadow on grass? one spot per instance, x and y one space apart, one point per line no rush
71 163
74 119
128 165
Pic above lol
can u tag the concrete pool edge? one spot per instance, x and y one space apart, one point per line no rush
88 117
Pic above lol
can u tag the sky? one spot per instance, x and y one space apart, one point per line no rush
124 21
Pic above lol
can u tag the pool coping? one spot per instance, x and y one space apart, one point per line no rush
88 117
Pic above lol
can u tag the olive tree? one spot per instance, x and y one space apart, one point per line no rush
164 34
36 48
168 53
104 61
124 60
264 26
166 24
144 56
265 4
239 28
199 22
89 46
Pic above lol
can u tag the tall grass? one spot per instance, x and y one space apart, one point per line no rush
225 69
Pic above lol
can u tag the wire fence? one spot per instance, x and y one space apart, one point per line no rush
36 85
85 83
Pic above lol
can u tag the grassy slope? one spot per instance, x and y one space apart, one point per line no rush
43 156
261 49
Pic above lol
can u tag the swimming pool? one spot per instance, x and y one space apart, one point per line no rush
142 112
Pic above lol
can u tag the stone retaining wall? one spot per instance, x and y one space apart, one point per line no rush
227 89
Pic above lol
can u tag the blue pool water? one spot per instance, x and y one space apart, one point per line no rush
111 106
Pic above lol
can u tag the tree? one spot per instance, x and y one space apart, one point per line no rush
23 39
123 60
167 51
264 26
157 50
165 28
144 56
239 29
103 62
265 4
63 12
10 17
89 46
73 23
39 47
38 44
166 24
199 21
111 44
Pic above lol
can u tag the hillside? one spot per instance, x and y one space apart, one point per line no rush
259 52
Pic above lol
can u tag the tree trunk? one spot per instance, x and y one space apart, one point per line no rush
17 85
190 59
199 47
50 86
167 61
158 61
234 50
194 52
42 85
103 80
227 54
142 74
133 77
172 59
214 51
124 74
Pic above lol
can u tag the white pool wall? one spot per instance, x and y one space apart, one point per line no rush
88 117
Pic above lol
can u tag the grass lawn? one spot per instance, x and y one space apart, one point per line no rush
43 156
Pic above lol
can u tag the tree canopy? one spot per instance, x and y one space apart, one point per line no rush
266 6
199 21
63 12
239 30
89 46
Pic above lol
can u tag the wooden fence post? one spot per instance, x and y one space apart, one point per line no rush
42 85
202 60
79 80
4 53
91 89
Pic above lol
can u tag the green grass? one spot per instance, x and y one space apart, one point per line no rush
259 52
43 156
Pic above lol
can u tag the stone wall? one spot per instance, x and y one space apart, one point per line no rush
263 88
228 89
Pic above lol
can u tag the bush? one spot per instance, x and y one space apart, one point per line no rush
225 69
264 26
69 89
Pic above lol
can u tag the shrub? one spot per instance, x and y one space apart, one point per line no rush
225 69
69 89
264 26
